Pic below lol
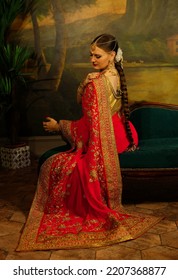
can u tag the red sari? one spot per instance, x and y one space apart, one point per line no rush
78 199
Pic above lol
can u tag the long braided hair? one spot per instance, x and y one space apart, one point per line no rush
109 43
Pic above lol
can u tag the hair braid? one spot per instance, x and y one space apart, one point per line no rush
108 43
125 106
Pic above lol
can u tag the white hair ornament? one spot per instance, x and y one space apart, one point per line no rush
119 56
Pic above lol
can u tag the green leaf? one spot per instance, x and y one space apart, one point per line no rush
5 86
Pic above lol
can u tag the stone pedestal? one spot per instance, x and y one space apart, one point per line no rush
15 157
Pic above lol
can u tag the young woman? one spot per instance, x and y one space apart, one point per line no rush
78 197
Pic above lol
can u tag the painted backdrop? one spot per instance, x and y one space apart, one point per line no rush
60 33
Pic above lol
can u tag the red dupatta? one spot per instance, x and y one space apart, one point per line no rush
78 198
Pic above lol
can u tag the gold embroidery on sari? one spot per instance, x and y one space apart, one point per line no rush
112 167
66 130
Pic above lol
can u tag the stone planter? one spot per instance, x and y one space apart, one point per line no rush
15 157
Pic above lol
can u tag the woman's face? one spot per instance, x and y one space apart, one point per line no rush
99 58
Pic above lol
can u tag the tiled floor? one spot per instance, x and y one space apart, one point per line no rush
17 188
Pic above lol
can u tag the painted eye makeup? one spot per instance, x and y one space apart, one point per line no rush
95 55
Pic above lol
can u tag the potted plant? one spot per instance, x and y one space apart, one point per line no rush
12 59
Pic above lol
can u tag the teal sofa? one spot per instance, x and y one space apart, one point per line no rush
151 172
157 127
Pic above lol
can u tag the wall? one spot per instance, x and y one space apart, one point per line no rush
61 37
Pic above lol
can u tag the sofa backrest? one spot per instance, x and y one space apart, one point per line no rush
155 122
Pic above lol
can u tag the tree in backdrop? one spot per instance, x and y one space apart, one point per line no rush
145 28
51 78
155 18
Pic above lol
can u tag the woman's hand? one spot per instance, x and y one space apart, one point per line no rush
81 88
90 77
51 125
